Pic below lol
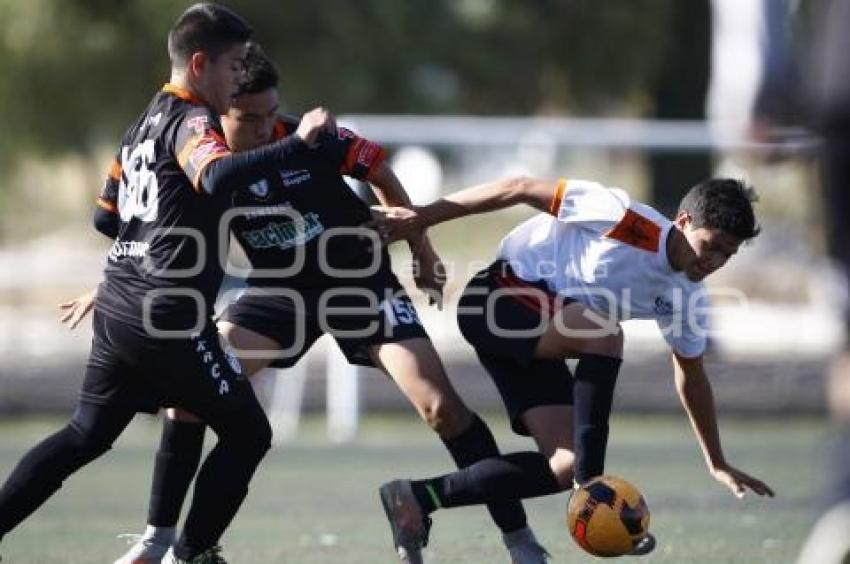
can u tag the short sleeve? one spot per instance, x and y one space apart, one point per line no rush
687 332
590 203
108 198
353 155
199 141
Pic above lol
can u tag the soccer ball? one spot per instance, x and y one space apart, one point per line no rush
607 516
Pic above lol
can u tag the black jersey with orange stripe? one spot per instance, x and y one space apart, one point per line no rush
298 225
163 267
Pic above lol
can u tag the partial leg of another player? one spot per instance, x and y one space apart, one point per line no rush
555 428
419 373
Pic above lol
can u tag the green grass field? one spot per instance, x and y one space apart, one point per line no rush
315 503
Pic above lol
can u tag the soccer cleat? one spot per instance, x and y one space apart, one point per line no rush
143 551
644 546
409 526
211 555
524 548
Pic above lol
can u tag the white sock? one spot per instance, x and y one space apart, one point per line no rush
160 535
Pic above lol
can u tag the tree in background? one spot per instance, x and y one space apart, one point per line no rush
679 91
72 71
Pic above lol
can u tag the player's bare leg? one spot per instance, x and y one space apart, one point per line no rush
416 368
255 351
418 372
551 427
590 338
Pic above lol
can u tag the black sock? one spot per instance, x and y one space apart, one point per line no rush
176 463
593 393
477 443
499 479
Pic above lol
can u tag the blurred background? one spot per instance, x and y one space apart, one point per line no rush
648 95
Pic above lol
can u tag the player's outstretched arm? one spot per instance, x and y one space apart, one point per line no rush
400 223
243 168
429 270
697 398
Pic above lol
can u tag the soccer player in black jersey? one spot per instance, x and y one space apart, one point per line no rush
154 341
299 227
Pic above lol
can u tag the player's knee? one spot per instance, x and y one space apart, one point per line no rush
562 465
447 418
245 431
87 444
433 413
256 436
609 344
93 429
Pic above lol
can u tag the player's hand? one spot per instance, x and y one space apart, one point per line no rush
73 311
396 223
739 482
314 123
429 271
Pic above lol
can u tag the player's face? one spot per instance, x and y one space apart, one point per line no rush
711 248
220 77
249 122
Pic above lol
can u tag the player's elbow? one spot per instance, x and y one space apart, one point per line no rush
106 222
529 190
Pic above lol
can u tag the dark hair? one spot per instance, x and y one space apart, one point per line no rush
722 203
260 73
209 28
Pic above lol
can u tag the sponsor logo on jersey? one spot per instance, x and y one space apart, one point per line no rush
343 134
135 249
198 124
154 120
294 177
279 209
260 189
285 235
663 307
206 148
367 154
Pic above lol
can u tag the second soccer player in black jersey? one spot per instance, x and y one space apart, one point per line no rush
154 343
313 272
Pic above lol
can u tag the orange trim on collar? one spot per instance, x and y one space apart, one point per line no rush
183 94
558 197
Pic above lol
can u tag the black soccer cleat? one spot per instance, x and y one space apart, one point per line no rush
409 525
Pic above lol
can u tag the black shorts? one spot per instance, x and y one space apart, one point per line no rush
358 316
503 318
129 368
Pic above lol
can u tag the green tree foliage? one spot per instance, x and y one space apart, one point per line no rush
73 73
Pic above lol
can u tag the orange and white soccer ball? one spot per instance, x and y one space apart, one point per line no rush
608 516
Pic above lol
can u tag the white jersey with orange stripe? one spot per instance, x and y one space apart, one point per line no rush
609 252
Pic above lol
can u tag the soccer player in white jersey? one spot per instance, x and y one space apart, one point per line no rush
560 286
